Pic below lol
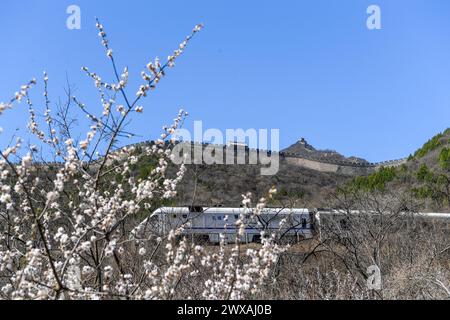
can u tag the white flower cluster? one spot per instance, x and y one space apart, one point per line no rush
18 96
156 69
235 280
102 35
97 79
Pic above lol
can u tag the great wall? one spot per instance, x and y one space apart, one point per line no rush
344 167
306 161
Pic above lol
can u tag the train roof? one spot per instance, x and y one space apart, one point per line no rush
224 210
434 215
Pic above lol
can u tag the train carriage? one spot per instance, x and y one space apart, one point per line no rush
207 223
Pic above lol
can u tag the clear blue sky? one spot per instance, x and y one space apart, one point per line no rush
310 68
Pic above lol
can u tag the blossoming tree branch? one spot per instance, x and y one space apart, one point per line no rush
80 227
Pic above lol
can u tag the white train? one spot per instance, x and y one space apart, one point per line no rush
207 223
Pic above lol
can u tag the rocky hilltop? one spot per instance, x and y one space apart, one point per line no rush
303 149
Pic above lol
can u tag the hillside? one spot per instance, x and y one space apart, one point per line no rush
425 176
295 182
225 184
432 153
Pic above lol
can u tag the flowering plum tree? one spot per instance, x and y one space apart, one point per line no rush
80 227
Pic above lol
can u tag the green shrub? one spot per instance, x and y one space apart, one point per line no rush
375 181
424 174
444 158
423 192
429 146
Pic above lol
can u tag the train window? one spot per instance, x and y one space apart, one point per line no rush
197 209
184 216
304 223
236 216
219 218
